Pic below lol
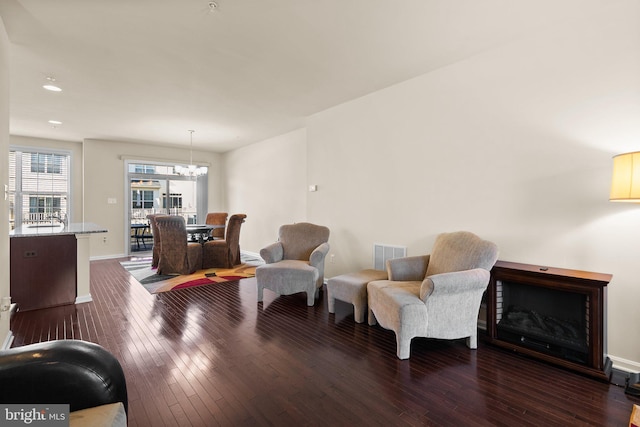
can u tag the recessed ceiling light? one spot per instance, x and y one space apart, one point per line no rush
55 122
51 86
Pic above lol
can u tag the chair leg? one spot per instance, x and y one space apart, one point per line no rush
260 289
472 341
331 302
371 317
358 313
403 348
311 297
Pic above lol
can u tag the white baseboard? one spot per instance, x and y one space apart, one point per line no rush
624 364
83 298
253 254
8 340
101 257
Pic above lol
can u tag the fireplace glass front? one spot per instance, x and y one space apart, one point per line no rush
548 320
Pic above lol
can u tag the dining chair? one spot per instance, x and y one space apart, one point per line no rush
177 256
156 238
217 218
224 253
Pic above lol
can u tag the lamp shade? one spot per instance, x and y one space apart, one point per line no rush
625 181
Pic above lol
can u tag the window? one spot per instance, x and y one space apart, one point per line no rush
175 201
44 205
39 185
46 163
144 169
142 199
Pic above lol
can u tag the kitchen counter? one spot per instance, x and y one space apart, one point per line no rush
57 229
50 264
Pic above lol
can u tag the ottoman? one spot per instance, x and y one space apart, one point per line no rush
352 288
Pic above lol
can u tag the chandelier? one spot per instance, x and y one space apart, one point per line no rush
191 169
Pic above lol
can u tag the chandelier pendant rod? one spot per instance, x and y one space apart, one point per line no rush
191 131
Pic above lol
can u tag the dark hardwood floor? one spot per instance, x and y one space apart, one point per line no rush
212 355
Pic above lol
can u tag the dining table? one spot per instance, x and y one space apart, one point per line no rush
140 232
201 232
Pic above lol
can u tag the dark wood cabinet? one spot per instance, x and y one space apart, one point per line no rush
43 271
529 307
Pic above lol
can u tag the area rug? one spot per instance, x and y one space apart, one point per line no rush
141 270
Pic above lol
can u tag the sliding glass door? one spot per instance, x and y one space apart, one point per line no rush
157 189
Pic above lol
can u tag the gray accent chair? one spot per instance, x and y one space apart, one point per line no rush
295 263
436 295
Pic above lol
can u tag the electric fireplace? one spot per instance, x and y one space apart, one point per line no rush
553 314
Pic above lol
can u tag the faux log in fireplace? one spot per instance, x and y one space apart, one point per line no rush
553 314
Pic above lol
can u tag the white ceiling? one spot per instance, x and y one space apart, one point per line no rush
149 70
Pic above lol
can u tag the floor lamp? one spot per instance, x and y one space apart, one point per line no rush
625 187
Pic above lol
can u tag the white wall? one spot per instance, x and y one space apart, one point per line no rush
267 181
4 175
514 144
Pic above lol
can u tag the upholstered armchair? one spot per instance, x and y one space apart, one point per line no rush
177 256
224 253
217 218
156 238
436 295
295 263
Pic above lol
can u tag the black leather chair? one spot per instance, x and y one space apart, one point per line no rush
78 373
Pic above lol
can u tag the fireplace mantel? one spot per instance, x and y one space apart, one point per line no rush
584 284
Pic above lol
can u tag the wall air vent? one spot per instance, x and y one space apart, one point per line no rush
381 253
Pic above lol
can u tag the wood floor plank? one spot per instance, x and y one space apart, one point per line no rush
213 356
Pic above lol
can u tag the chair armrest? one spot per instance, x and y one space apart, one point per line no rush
272 253
318 255
457 282
78 373
408 268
